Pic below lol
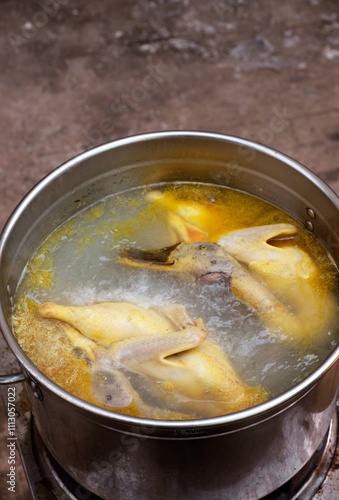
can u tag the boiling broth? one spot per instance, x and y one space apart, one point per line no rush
78 264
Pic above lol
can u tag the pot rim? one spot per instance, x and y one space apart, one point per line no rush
243 415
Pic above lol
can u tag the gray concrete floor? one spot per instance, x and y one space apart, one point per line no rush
76 74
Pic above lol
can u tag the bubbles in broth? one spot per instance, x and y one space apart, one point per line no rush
161 361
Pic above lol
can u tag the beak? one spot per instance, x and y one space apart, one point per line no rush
155 259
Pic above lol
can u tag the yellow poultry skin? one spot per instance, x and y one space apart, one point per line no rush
263 267
288 271
187 220
185 371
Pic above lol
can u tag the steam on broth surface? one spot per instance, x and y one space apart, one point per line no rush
80 265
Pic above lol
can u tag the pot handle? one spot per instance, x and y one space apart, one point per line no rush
12 379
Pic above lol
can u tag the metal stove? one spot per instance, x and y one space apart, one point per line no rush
318 480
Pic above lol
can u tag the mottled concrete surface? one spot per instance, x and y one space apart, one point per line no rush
76 74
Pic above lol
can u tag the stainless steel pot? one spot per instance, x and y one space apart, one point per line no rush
243 455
